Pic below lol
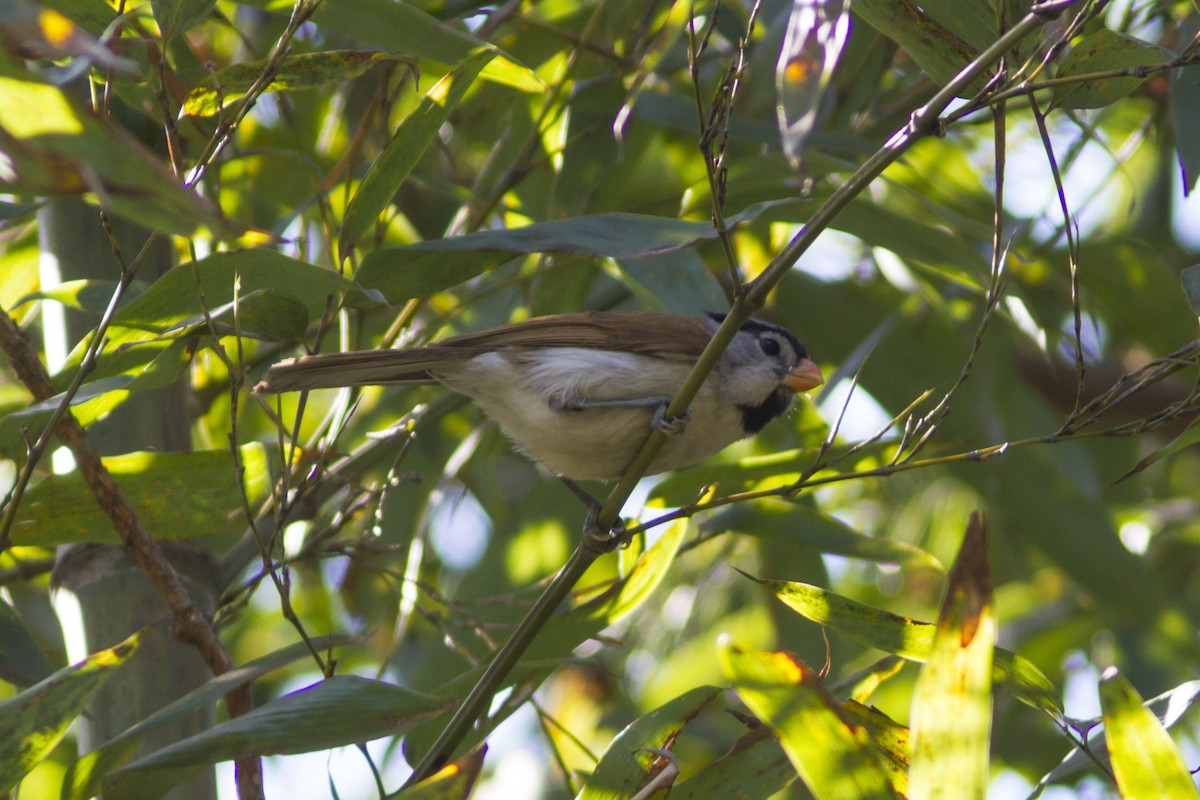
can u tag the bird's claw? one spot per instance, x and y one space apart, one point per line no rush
600 540
673 426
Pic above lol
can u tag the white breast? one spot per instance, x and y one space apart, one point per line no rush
524 391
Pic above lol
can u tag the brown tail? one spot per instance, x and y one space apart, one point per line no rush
362 368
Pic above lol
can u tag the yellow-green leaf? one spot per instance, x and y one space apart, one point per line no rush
836 759
54 145
1145 760
1104 51
406 148
951 717
304 71
625 766
176 496
910 639
33 722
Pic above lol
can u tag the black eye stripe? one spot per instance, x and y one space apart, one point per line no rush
758 327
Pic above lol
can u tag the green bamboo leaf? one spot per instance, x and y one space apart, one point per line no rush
57 146
412 138
33 722
891 740
973 21
418 270
1185 118
303 71
87 295
1101 51
804 525
404 28
1190 279
1168 708
910 639
22 661
1188 437
176 496
86 775
173 302
835 758
177 17
647 573
625 766
756 768
939 51
678 281
951 715
152 366
338 711
260 314
1145 760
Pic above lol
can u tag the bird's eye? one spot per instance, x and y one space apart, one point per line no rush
769 345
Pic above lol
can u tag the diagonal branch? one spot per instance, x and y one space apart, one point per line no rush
926 121
191 626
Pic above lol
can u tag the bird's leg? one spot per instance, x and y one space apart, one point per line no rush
671 427
596 539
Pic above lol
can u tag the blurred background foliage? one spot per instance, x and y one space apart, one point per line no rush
426 539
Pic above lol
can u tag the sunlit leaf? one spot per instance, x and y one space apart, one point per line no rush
56 146
150 367
910 639
404 28
1145 760
1169 708
303 71
175 495
835 758
951 717
891 740
626 765
413 137
756 768
34 721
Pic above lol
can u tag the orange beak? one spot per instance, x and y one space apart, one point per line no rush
804 376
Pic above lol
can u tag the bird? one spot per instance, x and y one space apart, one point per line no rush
578 392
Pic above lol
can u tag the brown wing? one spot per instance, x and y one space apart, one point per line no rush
666 335
623 331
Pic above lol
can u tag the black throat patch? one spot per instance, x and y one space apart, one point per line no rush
755 418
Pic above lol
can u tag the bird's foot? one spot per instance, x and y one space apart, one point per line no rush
600 540
671 427
595 537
